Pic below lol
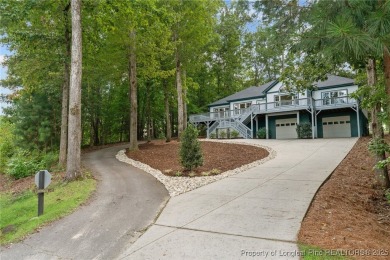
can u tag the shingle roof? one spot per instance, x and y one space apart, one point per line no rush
334 80
244 94
252 92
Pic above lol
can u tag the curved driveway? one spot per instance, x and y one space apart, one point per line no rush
127 200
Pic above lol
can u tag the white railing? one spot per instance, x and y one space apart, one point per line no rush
334 102
284 105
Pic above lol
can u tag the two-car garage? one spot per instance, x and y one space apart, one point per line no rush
329 125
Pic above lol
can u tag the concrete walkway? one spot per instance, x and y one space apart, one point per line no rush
255 213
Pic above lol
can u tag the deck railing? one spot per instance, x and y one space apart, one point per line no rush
284 105
334 102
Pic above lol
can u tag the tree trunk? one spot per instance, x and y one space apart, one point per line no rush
386 63
179 88
376 125
185 100
148 113
386 68
168 134
65 94
133 92
74 126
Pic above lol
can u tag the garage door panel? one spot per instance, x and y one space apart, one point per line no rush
339 126
286 128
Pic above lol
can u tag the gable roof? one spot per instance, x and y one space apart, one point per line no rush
251 92
255 92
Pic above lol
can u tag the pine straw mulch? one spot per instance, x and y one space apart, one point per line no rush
350 212
218 157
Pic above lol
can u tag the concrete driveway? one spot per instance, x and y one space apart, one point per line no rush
127 200
256 213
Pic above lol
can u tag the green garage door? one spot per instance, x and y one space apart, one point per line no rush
286 128
338 126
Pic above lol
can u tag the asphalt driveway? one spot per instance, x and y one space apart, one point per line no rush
253 214
127 200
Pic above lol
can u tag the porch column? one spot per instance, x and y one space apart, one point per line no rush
257 124
266 127
252 126
312 123
207 131
358 118
298 117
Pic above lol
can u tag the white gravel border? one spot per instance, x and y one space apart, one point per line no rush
179 185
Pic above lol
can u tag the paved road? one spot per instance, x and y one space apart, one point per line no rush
253 215
127 200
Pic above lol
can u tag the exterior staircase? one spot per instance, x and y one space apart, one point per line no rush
237 122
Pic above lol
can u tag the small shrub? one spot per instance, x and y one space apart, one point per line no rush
192 174
205 173
213 135
178 174
23 165
378 146
387 194
191 155
234 134
262 133
222 134
304 131
215 172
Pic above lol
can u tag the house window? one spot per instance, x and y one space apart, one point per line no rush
284 100
221 112
240 107
334 97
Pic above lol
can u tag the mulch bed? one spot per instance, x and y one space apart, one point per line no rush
217 156
350 211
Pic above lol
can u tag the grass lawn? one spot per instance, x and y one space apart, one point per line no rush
18 215
316 253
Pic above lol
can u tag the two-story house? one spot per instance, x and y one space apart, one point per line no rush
329 110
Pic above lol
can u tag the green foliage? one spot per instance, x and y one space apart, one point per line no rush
190 151
262 133
215 172
7 143
23 163
20 212
304 131
378 146
387 194
234 134
315 253
213 135
222 134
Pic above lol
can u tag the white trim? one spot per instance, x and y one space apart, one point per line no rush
282 114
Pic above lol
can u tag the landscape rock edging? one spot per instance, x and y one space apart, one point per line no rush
178 185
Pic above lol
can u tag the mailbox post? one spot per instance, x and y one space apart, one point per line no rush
42 180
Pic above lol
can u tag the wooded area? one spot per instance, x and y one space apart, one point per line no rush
148 64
